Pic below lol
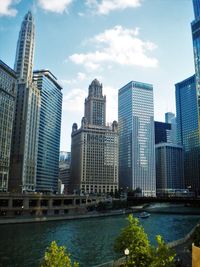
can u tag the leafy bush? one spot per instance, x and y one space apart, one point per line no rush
56 256
141 252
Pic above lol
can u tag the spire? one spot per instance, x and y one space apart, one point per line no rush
25 49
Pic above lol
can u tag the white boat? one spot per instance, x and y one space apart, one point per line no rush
144 215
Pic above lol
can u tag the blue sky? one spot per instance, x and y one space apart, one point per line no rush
113 40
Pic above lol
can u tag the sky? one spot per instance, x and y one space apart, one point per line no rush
115 41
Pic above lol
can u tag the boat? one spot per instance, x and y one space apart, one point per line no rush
144 215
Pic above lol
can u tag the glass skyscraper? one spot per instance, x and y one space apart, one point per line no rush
49 131
8 80
188 129
188 111
169 168
162 132
136 138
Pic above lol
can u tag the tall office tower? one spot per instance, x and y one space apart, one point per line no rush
162 132
25 131
188 130
171 118
169 168
25 49
136 137
49 131
8 80
94 148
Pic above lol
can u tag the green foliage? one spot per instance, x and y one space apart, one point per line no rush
162 255
134 238
56 256
141 252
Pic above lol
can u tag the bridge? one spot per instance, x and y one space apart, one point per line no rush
132 200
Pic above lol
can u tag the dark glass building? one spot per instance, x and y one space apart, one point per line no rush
49 131
188 129
169 168
162 132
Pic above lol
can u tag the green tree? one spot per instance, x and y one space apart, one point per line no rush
162 255
56 256
134 238
141 252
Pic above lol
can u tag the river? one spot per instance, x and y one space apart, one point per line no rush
89 241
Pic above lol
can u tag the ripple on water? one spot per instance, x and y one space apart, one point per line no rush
90 241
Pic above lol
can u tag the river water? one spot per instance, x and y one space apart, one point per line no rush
89 241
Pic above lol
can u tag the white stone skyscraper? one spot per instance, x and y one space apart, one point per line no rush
94 149
25 130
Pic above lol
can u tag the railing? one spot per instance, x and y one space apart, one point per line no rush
113 263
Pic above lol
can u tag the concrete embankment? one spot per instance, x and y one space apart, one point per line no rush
59 218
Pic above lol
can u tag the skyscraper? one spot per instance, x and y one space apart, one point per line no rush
25 49
195 25
94 148
162 132
188 129
25 131
188 111
49 131
136 137
171 118
8 80
169 168
196 6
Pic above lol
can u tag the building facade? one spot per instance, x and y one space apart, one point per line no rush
49 131
188 129
8 80
94 148
65 170
162 132
169 168
136 138
25 130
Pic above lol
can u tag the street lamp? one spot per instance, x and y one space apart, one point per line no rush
126 252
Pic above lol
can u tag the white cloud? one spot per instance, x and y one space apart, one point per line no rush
105 6
117 45
74 100
6 9
57 6
79 77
